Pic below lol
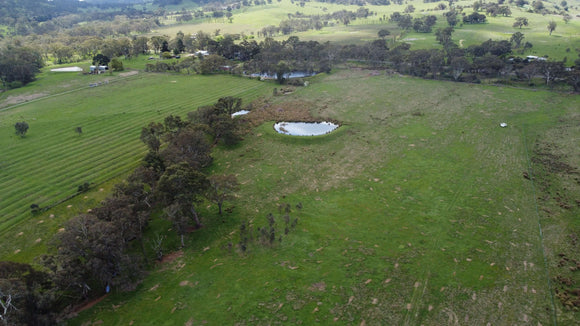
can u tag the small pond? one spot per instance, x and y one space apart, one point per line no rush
241 112
305 128
293 74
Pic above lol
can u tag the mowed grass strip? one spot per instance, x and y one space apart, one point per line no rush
52 160
415 212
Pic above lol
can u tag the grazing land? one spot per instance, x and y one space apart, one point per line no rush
250 20
415 211
419 210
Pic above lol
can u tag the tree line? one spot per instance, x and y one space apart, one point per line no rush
489 60
107 247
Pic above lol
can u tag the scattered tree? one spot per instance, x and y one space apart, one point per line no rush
552 26
117 65
474 18
21 128
516 39
538 6
452 18
383 33
520 21
84 187
566 18
443 35
222 188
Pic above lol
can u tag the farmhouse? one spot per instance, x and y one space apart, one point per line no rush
98 69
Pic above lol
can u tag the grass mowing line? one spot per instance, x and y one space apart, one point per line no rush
78 164
113 126
72 153
118 150
63 93
4 228
61 144
249 90
531 174
72 174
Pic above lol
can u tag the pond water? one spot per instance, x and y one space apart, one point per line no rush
67 69
241 112
294 74
305 128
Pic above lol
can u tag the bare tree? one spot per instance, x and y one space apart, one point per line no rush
222 188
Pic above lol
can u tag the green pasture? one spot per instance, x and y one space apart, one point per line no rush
249 20
415 212
47 165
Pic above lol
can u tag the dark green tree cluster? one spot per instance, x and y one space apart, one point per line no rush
27 296
474 18
279 58
18 65
21 128
424 24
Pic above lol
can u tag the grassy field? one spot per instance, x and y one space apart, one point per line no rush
415 213
47 165
249 20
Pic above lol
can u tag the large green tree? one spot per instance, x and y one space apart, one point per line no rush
520 21
181 188
19 65
516 39
21 128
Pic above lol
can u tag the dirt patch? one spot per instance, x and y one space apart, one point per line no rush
553 163
264 110
171 257
128 73
89 304
320 286
12 100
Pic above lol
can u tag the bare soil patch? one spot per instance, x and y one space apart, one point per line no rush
17 99
171 257
128 73
89 304
320 286
264 110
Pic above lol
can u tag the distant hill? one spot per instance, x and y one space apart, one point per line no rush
24 12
